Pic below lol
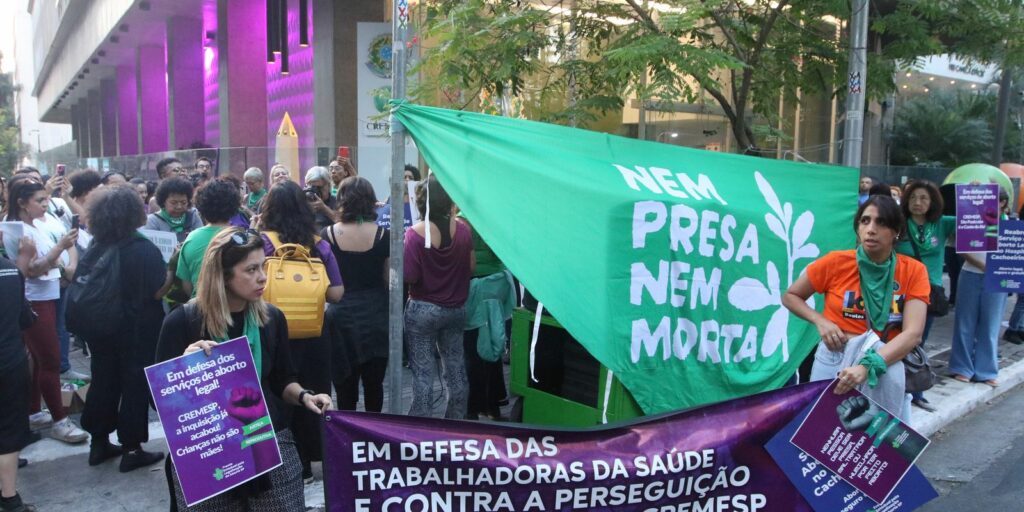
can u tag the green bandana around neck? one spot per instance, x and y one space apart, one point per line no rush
876 281
251 330
254 198
177 224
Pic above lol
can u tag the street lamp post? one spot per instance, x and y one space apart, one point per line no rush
857 80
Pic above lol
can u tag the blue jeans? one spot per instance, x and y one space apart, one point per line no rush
976 329
62 331
1017 317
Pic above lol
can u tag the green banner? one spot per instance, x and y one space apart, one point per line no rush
667 263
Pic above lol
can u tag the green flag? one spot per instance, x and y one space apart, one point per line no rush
667 263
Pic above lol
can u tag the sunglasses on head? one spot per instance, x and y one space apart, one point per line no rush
242 238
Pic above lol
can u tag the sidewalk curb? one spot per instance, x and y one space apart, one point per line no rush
955 399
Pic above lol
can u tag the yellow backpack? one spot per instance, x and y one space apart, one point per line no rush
297 284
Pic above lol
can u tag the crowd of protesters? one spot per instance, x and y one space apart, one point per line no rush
211 289
227 228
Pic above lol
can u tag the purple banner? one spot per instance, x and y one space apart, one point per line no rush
977 218
1004 269
710 458
215 419
862 443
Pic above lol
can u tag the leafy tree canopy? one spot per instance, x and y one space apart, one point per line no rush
740 54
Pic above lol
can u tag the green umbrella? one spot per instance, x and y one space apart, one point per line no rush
982 173
970 173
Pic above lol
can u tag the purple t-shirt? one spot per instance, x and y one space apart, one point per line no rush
439 276
326 256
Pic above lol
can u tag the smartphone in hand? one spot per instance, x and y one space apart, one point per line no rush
74 221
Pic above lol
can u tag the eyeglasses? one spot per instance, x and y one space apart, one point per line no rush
243 237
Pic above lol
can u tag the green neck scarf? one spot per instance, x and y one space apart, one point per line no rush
177 224
254 198
251 330
876 281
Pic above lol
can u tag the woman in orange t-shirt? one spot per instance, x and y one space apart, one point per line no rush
869 284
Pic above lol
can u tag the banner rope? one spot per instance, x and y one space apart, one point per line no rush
607 391
533 340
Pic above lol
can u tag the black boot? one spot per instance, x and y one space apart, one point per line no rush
14 504
101 450
138 458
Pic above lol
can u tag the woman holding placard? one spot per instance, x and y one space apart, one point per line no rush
870 288
229 304
925 241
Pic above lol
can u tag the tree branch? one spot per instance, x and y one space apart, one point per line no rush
755 55
720 23
718 96
645 16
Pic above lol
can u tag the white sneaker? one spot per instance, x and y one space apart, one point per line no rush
66 430
41 419
73 375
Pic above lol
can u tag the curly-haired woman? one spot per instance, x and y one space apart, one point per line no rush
118 398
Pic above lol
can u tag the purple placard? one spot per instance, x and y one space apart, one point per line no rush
1004 269
215 419
977 218
826 492
710 458
858 440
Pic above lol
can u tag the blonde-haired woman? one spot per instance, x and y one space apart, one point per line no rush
229 304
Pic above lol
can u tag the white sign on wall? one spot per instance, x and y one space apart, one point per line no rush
373 156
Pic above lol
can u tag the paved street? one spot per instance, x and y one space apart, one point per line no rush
978 462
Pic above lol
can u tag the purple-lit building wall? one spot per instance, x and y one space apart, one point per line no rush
108 111
185 73
292 93
127 111
153 98
211 76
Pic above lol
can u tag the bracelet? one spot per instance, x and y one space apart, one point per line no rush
303 393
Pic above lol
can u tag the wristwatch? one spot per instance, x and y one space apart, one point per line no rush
305 392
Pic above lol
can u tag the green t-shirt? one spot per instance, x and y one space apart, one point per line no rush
930 240
190 258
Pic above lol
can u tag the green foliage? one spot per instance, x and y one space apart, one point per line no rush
11 148
949 130
742 55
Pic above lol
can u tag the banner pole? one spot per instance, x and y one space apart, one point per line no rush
399 32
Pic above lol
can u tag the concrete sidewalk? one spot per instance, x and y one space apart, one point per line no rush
59 477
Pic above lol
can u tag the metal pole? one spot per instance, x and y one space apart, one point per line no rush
399 35
857 78
1005 83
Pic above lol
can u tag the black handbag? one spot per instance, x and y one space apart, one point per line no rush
917 370
919 374
938 304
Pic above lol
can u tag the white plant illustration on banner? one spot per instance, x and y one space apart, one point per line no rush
750 294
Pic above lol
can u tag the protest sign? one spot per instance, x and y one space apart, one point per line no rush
859 441
826 492
12 231
711 458
977 218
668 264
215 419
1004 269
163 240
